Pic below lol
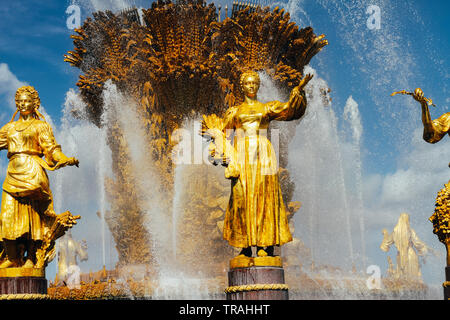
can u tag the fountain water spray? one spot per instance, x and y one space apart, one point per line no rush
316 162
76 189
121 109
351 114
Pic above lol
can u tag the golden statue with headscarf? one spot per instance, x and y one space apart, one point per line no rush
256 215
28 224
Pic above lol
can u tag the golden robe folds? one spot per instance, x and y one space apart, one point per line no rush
256 215
26 199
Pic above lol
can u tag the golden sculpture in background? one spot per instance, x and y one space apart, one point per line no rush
256 214
434 131
28 223
69 251
179 62
441 218
409 248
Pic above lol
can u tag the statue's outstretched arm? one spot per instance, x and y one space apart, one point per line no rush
433 130
63 160
387 241
294 108
52 150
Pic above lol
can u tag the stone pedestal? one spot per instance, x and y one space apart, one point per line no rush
259 278
23 283
446 284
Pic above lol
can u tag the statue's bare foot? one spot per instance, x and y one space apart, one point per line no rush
268 251
28 264
7 264
261 252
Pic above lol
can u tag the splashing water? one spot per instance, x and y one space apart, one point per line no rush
123 110
74 188
316 162
353 118
101 183
173 281
326 165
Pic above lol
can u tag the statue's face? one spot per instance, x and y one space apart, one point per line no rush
25 104
250 86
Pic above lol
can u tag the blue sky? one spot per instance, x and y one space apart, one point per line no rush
36 38
411 49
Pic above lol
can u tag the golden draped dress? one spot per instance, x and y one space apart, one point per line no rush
27 203
256 214
441 128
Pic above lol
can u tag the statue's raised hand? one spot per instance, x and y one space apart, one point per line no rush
73 162
418 95
305 81
70 162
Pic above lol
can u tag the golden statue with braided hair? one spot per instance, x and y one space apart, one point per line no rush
256 215
28 223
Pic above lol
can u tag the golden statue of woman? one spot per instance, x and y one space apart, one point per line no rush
409 248
28 222
256 215
434 131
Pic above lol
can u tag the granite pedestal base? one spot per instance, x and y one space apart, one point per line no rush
22 283
446 284
259 278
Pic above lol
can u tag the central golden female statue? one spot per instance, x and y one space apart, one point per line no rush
28 222
256 215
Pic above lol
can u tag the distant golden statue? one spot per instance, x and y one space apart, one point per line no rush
256 215
28 223
409 248
434 131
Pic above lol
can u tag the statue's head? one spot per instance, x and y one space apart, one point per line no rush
27 101
249 83
404 217
403 221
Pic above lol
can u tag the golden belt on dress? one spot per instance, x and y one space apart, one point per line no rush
35 156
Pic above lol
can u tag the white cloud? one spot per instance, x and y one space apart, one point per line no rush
102 5
411 188
420 173
8 85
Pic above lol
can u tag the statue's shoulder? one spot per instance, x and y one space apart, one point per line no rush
443 122
42 124
445 116
7 126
